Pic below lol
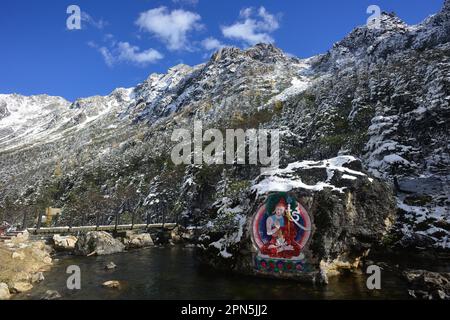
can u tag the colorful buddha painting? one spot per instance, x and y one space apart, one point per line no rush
281 228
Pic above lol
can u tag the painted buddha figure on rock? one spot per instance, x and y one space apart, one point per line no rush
283 233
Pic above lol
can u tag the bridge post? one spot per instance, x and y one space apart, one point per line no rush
117 221
97 224
132 219
163 216
70 220
83 218
39 221
147 218
24 222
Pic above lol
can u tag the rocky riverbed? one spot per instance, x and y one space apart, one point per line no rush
22 263
24 259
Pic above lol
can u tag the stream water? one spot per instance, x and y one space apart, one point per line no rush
174 273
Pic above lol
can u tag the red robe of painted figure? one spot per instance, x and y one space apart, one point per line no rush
283 244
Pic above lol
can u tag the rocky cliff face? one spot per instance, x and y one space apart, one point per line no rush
381 95
349 212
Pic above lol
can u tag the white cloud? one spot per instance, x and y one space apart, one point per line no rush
125 52
211 44
171 27
246 12
99 24
253 27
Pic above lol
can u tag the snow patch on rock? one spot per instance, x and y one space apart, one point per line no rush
284 180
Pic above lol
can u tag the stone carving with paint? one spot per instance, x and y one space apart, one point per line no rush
281 228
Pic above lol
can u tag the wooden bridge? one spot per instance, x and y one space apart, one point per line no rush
124 227
137 223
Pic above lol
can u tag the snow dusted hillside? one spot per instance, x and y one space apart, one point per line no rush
22 118
42 119
381 95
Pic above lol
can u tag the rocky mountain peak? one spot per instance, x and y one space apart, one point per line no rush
391 22
261 52
225 53
369 43
182 68
264 52
362 37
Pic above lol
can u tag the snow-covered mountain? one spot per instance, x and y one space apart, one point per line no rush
27 121
379 94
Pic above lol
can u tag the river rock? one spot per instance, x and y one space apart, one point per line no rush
41 252
136 241
4 291
181 235
99 243
348 213
18 255
64 243
113 284
110 266
37 277
19 287
21 238
175 235
428 285
51 295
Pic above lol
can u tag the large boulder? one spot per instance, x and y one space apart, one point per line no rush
64 243
137 240
99 243
332 213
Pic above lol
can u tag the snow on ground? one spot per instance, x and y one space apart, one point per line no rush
298 85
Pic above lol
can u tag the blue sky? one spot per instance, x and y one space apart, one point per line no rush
121 42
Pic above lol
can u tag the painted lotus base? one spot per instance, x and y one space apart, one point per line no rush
270 265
